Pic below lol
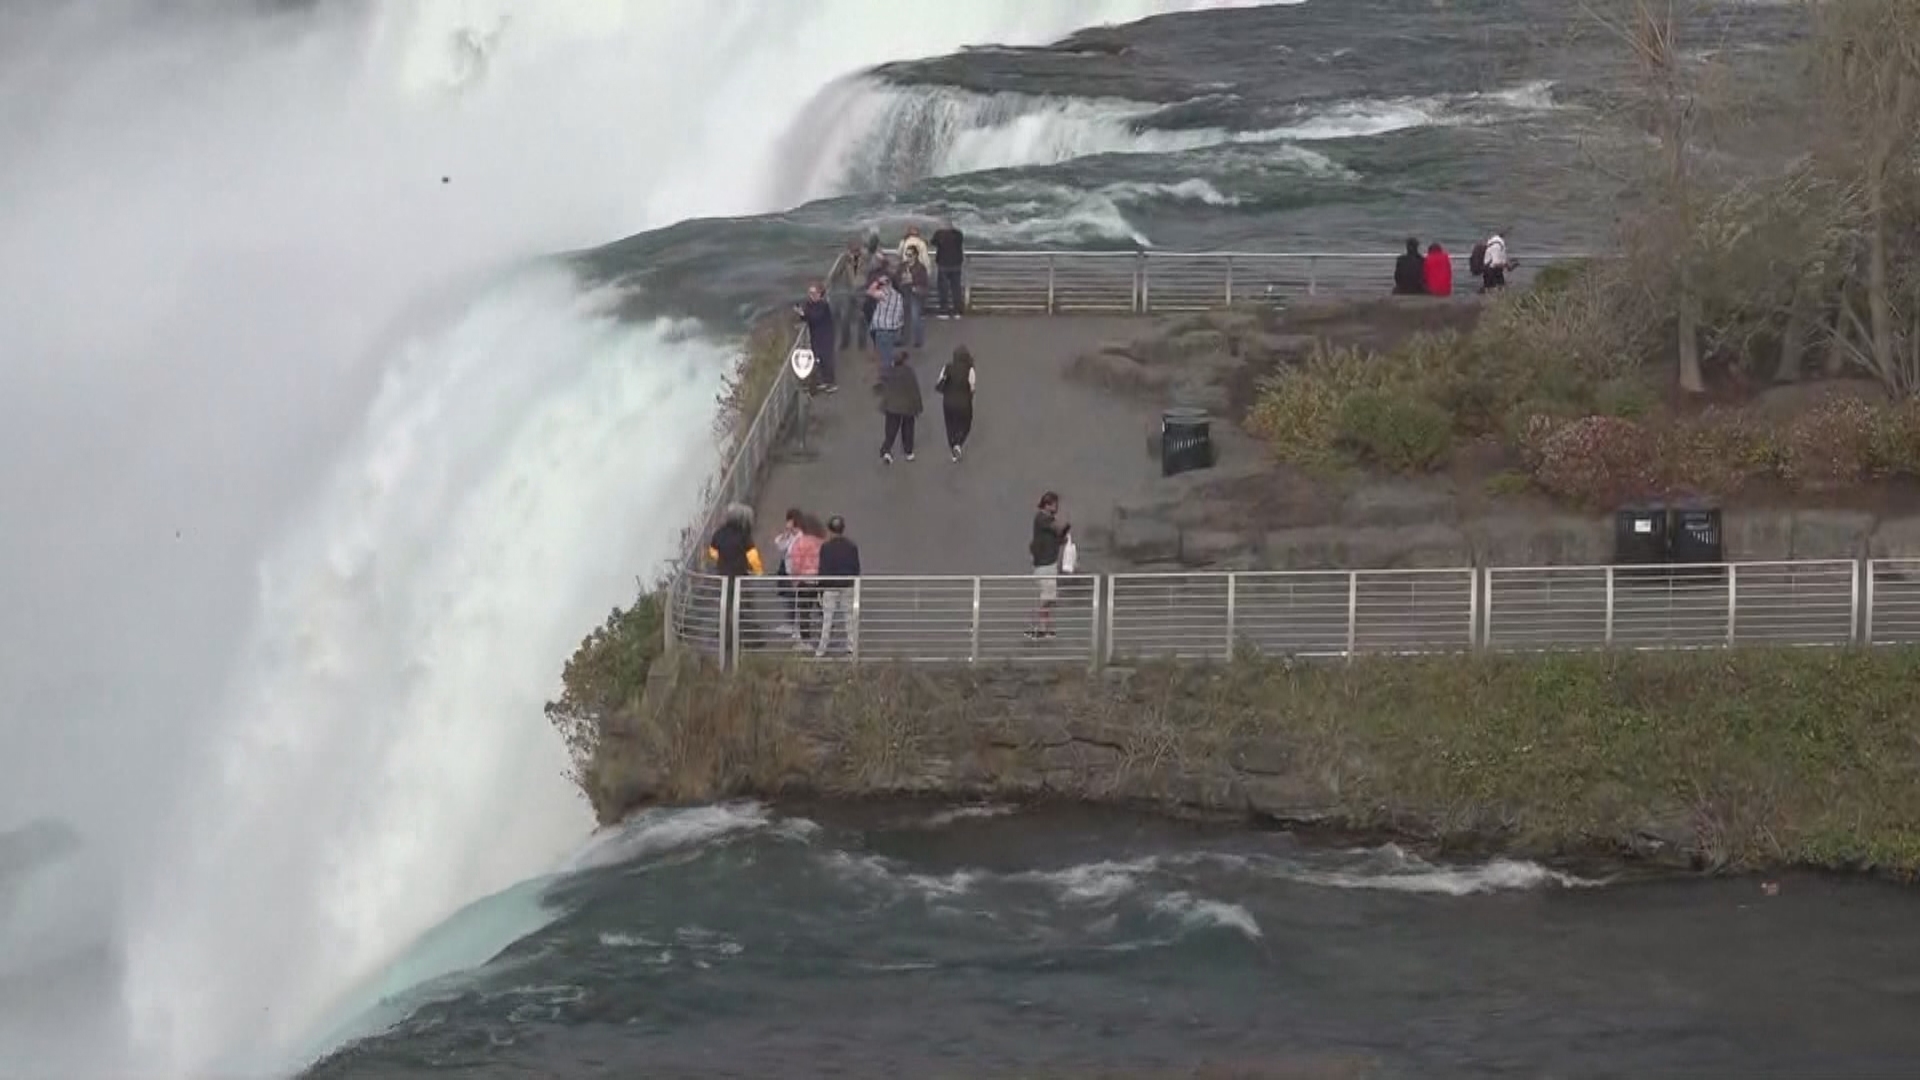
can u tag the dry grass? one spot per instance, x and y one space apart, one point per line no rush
1747 759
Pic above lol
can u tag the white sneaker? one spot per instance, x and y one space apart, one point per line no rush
909 457
886 459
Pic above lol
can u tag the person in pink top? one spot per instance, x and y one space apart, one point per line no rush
803 563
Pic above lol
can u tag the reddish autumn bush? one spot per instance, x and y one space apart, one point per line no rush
1830 444
1717 453
1594 460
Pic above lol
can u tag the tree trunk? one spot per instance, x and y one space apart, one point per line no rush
1691 380
1793 343
1879 307
1836 362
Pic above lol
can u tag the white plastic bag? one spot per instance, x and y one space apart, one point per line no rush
1069 556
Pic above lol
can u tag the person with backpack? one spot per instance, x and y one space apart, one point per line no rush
1410 271
955 386
1489 263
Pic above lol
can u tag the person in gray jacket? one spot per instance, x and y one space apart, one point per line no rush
900 401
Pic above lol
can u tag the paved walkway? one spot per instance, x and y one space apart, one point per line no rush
1033 431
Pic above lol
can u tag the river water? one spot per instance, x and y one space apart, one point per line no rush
969 941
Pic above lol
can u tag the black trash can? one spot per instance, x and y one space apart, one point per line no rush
1640 536
1695 539
1186 441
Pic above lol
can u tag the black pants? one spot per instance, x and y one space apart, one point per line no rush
948 291
959 424
806 601
900 427
823 353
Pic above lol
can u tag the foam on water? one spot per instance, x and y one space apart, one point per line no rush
864 133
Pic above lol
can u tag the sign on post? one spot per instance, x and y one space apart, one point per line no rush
802 362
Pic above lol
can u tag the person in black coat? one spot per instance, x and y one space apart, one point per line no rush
1410 271
839 568
817 313
955 386
900 401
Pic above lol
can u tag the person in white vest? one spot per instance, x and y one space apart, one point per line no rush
1494 264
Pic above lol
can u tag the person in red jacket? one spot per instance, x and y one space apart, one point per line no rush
1439 271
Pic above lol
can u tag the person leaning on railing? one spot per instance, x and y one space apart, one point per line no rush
734 556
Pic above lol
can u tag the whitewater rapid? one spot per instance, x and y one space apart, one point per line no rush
313 479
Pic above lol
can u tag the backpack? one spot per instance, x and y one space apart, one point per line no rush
1477 262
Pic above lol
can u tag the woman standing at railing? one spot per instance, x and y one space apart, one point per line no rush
803 562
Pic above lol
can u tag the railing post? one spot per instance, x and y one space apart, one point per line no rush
1313 276
1473 607
1144 293
1093 630
1486 613
1866 619
1113 586
1733 602
854 633
1229 281
973 652
1608 639
1233 600
1050 305
1353 611
733 608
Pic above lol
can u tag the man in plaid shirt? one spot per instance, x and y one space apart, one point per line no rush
889 315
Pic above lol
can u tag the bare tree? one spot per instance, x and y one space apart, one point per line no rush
1867 65
1670 94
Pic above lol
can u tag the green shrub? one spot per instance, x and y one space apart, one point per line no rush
1895 445
1627 398
1297 410
1508 482
606 676
744 389
1586 326
1399 432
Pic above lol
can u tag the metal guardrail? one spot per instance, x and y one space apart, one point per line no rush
1773 603
1340 613
1893 602
1138 283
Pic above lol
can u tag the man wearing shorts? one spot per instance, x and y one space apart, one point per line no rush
1045 549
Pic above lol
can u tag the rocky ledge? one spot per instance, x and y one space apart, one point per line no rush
1684 760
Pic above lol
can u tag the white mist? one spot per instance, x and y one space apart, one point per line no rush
309 485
